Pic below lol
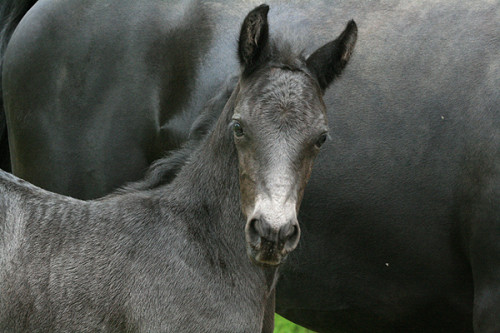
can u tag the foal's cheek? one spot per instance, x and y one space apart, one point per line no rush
247 194
247 188
306 171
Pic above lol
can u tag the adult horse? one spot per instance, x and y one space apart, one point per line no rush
400 221
174 259
11 13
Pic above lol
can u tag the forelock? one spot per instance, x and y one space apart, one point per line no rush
286 55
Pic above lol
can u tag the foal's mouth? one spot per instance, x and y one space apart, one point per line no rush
266 255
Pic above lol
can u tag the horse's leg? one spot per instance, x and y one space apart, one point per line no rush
485 260
268 322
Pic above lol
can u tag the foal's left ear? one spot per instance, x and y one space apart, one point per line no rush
328 61
254 38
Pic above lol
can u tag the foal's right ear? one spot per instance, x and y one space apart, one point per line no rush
254 38
328 61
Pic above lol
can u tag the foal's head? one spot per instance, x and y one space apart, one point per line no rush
279 125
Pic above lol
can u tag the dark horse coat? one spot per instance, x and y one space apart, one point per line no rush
400 221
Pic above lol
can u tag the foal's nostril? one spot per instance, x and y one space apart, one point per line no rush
289 236
252 231
260 234
286 231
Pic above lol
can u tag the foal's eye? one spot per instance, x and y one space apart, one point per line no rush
321 140
238 130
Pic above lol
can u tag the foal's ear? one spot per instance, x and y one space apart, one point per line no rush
328 61
254 38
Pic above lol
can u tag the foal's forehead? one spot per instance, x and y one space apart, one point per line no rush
284 93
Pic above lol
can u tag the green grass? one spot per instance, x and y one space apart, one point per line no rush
281 325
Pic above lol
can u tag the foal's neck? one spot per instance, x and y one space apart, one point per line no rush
209 184
212 170
209 181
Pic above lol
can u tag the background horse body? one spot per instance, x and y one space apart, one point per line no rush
113 74
400 219
11 13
